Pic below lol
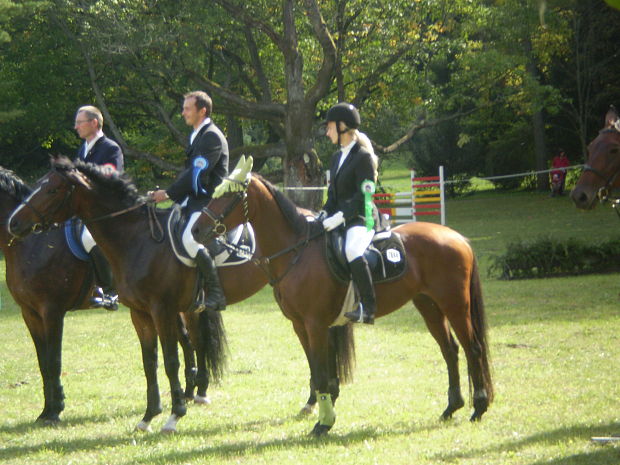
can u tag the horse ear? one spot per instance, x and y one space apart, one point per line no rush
611 118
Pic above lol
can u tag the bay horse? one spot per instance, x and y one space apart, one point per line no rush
46 281
441 279
601 173
151 281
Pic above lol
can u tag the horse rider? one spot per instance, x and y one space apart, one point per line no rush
351 166
205 168
99 150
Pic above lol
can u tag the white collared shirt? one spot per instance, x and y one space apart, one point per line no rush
344 153
197 130
89 145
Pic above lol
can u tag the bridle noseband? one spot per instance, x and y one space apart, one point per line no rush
219 228
44 221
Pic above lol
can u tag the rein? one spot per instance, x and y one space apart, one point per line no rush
219 229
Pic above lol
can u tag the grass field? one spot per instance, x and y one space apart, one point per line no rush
554 346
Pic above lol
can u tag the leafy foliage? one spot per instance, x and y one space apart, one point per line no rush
547 256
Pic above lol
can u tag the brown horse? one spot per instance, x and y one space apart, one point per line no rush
47 280
441 280
601 174
152 283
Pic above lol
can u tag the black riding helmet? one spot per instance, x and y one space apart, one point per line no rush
346 113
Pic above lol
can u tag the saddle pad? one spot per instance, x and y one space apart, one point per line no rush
386 257
236 249
73 233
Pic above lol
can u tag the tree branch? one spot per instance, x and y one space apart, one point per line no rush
239 13
326 72
415 128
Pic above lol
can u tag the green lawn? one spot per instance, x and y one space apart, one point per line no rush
554 348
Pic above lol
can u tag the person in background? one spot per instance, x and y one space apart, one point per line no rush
354 163
99 150
561 162
206 166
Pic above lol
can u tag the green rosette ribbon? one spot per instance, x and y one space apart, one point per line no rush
368 188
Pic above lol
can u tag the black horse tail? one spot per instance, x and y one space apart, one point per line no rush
478 319
214 343
342 342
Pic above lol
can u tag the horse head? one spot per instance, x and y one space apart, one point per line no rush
50 201
601 174
222 214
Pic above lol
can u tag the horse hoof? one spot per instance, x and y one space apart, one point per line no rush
48 421
476 416
447 415
320 430
171 425
306 411
144 426
202 400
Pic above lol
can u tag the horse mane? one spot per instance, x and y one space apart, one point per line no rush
294 217
13 185
113 183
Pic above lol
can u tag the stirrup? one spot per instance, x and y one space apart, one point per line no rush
103 300
199 305
359 316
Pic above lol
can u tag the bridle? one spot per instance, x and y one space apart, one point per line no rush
44 221
219 229
44 218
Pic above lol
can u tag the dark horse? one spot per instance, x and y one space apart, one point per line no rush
442 281
601 174
46 281
152 282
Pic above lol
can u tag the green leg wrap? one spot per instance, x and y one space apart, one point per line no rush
327 415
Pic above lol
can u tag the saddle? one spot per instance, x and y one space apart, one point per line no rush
237 248
73 233
386 256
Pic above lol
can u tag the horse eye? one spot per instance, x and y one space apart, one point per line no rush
52 191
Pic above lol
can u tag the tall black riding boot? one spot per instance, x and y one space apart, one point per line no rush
216 300
107 298
365 312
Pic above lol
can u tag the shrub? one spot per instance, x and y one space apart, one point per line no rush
546 256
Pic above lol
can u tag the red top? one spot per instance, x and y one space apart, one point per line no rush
559 162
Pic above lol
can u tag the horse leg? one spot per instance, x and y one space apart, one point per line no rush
188 358
46 333
318 351
461 323
333 384
300 330
168 337
148 342
437 325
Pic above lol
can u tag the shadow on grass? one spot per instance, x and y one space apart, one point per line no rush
229 449
599 454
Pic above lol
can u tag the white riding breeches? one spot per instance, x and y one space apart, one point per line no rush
87 240
357 241
191 245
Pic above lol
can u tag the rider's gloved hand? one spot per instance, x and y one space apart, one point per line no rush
321 216
333 221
